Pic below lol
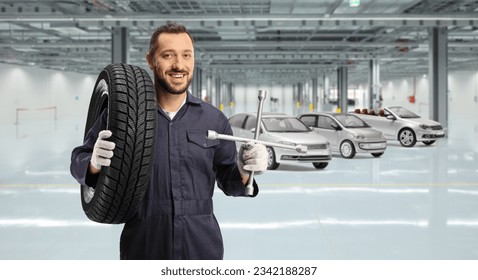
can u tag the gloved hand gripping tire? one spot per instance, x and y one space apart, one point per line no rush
103 150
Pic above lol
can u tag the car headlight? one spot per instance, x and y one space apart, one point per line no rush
424 126
359 136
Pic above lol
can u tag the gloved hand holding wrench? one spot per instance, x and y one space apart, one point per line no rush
251 155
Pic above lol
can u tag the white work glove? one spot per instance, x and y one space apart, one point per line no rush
252 157
103 150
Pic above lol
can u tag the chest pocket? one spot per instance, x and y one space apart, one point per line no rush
200 149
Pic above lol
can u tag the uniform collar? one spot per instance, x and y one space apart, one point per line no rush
192 99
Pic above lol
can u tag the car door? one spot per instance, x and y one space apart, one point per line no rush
382 123
249 126
237 123
389 126
324 128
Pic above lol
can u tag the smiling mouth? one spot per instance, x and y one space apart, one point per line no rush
177 75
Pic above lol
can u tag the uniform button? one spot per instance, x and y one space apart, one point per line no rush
204 145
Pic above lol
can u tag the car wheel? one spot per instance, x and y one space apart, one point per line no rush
320 165
271 159
347 149
407 137
377 154
128 95
428 143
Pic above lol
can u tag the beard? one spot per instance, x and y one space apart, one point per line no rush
170 87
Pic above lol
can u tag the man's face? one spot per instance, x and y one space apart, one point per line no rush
173 62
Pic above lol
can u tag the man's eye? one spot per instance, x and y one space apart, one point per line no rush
167 56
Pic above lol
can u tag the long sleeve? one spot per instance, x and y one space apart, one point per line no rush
228 177
81 155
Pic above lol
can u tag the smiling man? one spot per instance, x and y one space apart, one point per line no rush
176 219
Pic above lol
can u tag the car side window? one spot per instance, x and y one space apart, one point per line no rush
237 121
309 120
325 122
250 123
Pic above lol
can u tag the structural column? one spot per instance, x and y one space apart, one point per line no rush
438 74
315 91
342 88
196 83
209 89
299 94
374 83
120 45
218 96
326 93
230 90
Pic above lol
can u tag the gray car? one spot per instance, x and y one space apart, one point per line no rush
284 129
398 123
347 133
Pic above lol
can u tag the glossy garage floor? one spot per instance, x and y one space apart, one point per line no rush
412 203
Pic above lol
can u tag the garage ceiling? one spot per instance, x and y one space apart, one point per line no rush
253 41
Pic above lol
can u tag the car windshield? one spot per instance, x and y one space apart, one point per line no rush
350 121
403 113
287 124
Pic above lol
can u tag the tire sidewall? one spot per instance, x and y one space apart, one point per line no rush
412 133
352 149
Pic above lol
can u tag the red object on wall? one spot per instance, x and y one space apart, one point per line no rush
411 99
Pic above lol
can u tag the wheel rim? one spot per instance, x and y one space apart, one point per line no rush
406 137
346 149
270 157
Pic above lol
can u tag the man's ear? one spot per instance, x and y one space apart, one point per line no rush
150 61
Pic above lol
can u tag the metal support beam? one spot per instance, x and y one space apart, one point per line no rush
230 92
373 83
209 89
438 75
218 96
120 45
326 92
315 93
196 83
342 88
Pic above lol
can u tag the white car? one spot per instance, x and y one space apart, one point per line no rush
346 133
284 129
398 123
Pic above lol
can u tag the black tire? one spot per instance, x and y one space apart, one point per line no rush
377 154
428 143
271 159
320 165
128 94
407 137
347 149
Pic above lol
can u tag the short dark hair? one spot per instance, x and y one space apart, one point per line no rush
174 28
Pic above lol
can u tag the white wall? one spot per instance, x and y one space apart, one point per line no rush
397 92
462 95
246 98
33 88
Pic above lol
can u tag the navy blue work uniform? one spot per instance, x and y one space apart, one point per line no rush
176 220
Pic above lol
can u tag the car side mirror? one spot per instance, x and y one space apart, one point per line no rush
253 130
391 117
335 126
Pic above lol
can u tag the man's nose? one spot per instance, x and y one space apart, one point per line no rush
177 62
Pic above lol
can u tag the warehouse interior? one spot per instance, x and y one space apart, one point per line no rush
411 203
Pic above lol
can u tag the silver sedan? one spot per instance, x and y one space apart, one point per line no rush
284 129
398 123
347 133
